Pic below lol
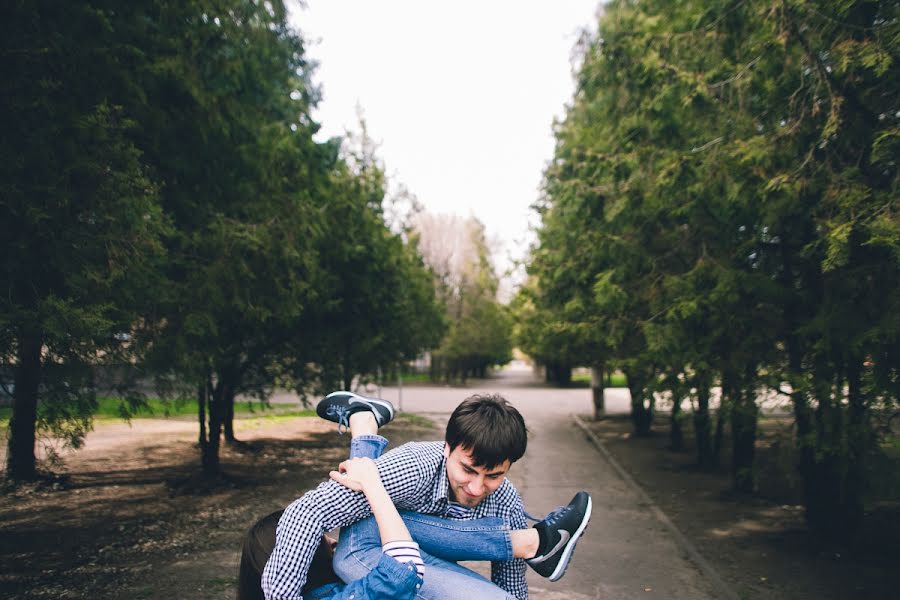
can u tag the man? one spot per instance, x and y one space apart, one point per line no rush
462 478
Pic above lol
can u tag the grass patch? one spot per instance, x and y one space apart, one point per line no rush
412 378
111 408
615 380
247 421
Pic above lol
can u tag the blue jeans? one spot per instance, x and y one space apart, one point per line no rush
367 446
441 542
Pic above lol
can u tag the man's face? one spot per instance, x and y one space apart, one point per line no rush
469 484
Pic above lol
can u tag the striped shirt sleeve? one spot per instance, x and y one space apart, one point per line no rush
406 551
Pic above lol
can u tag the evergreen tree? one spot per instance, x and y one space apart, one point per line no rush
80 216
724 183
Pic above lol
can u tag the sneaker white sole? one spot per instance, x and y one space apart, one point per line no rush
560 569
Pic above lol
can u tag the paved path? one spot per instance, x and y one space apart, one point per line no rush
625 553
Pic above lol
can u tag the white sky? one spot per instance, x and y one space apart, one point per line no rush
461 96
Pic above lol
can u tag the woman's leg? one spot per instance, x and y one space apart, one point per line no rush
359 551
488 538
367 446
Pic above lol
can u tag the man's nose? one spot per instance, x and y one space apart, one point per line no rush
476 486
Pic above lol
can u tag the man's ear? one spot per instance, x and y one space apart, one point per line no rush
446 450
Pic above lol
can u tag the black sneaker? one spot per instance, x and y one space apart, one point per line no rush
559 533
338 406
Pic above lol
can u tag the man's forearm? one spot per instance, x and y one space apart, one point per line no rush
285 571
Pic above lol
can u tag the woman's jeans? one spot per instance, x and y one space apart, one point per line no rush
441 542
367 446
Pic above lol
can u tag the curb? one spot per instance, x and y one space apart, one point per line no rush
722 589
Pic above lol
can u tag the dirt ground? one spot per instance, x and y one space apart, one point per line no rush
130 518
759 543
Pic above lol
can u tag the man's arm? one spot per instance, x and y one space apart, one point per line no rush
299 531
328 506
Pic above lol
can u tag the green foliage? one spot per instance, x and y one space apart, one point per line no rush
165 206
378 306
80 215
479 328
722 206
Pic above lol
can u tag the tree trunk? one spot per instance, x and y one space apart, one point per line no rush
215 416
597 392
744 417
202 395
20 459
228 417
833 473
831 514
718 437
559 374
807 448
641 411
833 511
434 372
859 440
676 434
703 422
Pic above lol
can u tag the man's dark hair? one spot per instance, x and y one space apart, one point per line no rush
488 427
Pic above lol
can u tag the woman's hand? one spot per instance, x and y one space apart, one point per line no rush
361 475
358 474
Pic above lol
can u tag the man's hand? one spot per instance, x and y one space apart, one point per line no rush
358 474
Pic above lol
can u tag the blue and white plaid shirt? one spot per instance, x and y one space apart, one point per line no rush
415 476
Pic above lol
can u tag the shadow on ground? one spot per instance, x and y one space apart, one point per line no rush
138 521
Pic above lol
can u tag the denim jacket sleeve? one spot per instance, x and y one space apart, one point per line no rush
389 580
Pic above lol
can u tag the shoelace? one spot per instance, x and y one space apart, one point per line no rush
550 519
342 413
552 516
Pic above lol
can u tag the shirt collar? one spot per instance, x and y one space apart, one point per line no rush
440 495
